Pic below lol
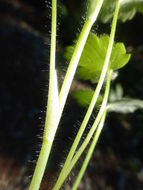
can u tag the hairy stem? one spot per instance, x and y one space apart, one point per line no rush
65 171
90 152
77 54
74 62
51 113
90 134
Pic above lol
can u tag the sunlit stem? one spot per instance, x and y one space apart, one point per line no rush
52 113
66 170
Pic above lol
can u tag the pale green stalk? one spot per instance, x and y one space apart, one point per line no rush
53 113
52 109
90 152
96 136
89 136
91 18
65 171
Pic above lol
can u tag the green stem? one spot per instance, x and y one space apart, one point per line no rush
51 113
86 141
77 53
90 152
40 166
92 130
65 170
74 62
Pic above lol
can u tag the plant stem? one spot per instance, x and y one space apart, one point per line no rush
90 152
75 59
51 113
73 161
96 136
91 132
77 54
65 171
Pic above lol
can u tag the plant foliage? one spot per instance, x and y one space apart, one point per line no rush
125 105
84 97
93 56
128 9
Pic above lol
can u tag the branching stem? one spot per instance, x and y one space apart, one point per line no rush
77 53
68 166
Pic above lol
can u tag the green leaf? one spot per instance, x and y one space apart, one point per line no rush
83 97
128 9
126 105
93 56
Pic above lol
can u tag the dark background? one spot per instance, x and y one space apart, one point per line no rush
117 163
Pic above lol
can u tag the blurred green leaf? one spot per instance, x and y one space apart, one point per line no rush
116 94
83 97
128 9
93 56
126 105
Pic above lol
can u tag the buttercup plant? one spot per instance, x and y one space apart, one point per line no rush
106 56
56 99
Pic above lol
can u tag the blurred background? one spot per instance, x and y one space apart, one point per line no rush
117 163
